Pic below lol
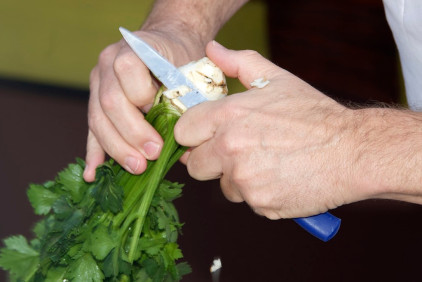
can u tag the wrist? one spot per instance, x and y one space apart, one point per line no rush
184 46
181 30
191 23
388 154
187 22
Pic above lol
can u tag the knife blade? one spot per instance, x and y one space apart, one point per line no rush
323 226
165 71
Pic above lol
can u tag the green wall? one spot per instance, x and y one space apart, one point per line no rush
58 42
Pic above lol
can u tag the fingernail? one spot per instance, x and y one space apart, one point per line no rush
151 150
85 171
218 45
86 168
131 164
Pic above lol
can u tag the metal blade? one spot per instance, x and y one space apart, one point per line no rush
166 72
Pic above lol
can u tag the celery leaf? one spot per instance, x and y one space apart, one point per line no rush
106 192
19 258
71 179
84 269
41 198
101 242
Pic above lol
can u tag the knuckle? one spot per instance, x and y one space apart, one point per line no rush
254 199
115 149
123 63
93 120
250 56
229 191
250 53
257 198
144 96
112 151
231 111
93 75
193 166
231 141
140 133
106 54
228 144
108 100
230 196
136 133
230 108
239 178
271 214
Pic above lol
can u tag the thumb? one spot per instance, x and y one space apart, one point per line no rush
246 65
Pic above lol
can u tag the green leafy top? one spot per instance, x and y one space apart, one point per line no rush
121 227
107 193
19 258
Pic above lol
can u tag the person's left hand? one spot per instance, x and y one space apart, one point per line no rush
286 149
121 90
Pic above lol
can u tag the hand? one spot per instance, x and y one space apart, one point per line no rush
121 90
284 149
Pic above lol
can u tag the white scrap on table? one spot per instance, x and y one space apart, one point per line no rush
216 265
260 82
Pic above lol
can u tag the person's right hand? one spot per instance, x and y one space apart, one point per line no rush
121 90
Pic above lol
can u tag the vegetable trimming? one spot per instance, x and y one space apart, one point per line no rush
121 227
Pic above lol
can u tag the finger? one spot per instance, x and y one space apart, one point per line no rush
95 156
203 162
127 118
269 213
246 65
137 83
198 124
231 193
184 158
107 137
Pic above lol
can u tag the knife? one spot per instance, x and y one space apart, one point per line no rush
323 226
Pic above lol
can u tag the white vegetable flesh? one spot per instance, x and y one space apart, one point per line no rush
260 82
205 76
216 265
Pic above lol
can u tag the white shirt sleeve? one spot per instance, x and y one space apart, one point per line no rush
405 20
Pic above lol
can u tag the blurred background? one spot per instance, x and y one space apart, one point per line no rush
344 48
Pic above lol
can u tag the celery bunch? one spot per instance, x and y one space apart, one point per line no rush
122 227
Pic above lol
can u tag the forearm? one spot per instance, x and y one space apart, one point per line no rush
198 18
388 154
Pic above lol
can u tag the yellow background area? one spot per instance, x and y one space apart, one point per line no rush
58 42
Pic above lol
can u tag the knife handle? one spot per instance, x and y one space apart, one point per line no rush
324 226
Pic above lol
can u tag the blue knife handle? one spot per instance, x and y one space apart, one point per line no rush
324 226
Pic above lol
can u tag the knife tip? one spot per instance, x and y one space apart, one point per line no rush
123 30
